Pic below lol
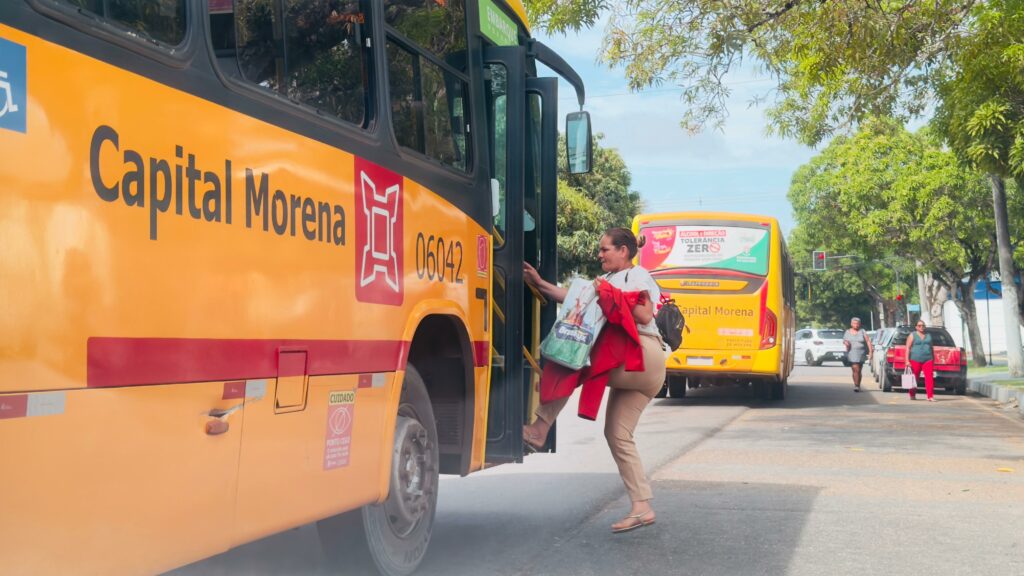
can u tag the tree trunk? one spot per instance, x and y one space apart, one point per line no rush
970 316
1014 352
923 297
933 294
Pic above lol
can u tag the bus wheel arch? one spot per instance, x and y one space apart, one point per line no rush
391 537
443 355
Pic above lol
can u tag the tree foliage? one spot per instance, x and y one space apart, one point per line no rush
588 204
894 198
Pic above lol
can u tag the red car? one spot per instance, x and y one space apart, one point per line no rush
950 361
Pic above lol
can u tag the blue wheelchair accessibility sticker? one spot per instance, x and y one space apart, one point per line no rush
13 89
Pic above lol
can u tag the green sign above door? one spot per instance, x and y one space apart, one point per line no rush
498 27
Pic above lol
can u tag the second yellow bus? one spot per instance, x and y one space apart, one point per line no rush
732 277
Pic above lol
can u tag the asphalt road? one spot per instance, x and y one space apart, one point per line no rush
826 482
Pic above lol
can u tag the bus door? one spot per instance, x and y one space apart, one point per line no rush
523 128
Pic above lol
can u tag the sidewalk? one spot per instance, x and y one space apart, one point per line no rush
997 385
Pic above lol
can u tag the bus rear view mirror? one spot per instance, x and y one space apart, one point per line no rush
578 142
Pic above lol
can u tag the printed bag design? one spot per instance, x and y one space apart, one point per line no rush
579 321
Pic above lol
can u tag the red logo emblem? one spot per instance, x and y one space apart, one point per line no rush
483 259
379 239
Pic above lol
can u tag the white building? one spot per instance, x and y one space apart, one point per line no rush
990 320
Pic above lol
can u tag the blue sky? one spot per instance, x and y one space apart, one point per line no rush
737 168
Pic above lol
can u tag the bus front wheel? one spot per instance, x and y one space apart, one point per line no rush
396 532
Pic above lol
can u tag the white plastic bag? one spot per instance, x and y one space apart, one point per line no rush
908 381
579 321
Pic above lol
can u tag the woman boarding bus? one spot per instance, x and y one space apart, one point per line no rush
732 279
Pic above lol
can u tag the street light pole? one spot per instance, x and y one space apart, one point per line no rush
988 315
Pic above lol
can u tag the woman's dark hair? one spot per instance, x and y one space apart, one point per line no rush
620 237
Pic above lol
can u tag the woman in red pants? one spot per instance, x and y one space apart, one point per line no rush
921 355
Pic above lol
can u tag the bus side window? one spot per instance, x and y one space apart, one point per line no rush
163 22
311 51
426 51
437 26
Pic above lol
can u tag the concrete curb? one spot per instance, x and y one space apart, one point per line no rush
1001 394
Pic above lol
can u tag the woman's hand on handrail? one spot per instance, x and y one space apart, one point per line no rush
549 290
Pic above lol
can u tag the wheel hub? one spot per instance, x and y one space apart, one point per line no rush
410 493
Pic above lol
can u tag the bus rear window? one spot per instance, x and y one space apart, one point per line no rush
718 247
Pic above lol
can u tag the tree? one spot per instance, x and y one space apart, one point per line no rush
580 224
588 204
897 197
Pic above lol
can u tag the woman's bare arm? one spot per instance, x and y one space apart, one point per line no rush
549 290
643 313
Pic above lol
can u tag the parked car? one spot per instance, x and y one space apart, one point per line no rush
817 345
883 338
950 361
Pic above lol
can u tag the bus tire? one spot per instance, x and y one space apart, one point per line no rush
677 386
663 392
397 532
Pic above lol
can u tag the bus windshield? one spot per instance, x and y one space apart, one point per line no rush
733 247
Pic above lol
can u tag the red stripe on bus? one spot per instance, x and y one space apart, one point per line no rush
146 361
480 350
14 406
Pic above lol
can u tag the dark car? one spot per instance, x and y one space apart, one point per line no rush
950 363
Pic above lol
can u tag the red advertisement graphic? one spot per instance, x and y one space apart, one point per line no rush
341 409
659 244
379 238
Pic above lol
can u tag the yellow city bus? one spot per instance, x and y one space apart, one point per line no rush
732 279
261 265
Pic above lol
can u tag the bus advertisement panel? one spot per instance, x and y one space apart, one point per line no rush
729 274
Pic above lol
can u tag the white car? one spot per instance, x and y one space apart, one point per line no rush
817 345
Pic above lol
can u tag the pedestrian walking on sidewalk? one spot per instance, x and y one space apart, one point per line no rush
858 350
922 356
630 391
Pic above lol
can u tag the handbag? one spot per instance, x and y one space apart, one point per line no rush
579 321
907 380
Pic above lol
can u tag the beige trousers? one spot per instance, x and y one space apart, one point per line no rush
630 394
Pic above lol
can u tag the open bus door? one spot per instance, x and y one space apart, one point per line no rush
523 126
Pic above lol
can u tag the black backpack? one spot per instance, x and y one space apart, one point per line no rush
670 322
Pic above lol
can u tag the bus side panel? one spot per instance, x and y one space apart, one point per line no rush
294 464
116 481
82 264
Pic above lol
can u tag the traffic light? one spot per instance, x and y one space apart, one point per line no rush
818 261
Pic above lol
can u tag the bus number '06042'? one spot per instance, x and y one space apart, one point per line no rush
437 259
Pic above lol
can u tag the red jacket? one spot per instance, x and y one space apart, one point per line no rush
618 344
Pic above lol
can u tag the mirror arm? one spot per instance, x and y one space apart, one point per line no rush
549 58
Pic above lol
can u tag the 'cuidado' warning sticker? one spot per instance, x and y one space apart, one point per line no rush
340 413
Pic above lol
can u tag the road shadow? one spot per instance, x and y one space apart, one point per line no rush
706 528
732 395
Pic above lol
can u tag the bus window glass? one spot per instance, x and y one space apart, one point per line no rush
428 110
497 100
324 56
308 50
533 161
719 247
159 20
437 25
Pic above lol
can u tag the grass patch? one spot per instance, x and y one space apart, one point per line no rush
1017 383
975 371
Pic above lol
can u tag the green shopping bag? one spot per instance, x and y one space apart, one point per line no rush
579 321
